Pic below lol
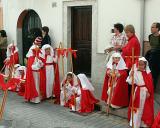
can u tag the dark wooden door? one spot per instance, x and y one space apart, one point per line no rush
81 26
31 28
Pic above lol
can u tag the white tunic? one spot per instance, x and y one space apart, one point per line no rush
36 75
49 76
66 93
139 81
77 90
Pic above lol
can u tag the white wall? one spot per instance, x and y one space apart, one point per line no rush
152 15
51 17
109 13
124 11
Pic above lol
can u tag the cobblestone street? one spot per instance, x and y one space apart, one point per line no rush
20 114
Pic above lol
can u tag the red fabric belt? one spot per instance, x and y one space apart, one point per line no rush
141 86
48 63
137 96
35 70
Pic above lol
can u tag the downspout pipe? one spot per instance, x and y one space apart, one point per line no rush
142 23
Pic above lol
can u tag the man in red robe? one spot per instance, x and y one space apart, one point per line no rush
119 95
132 43
35 89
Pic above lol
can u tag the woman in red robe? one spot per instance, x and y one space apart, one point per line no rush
119 96
132 43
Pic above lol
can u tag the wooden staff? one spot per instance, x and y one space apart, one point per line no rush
71 61
3 104
110 85
132 77
132 87
11 69
2 68
64 87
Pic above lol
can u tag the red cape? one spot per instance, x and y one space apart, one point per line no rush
127 50
120 94
56 83
14 59
87 101
156 123
148 112
30 89
56 86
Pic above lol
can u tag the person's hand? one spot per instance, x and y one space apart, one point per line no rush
73 91
148 95
108 50
117 73
109 72
132 73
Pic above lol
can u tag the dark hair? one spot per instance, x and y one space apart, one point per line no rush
119 27
70 74
158 26
45 29
3 33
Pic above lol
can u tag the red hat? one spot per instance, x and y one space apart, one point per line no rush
38 40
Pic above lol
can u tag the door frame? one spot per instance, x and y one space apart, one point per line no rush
67 5
21 17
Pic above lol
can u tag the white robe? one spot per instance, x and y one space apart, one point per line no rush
49 76
36 66
139 81
77 90
68 91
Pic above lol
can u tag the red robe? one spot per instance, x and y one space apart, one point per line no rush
70 101
56 83
156 123
14 59
56 86
148 112
30 89
127 50
11 83
22 86
120 93
87 101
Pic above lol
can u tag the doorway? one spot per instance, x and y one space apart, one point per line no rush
81 38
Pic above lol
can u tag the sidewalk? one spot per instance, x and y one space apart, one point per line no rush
21 114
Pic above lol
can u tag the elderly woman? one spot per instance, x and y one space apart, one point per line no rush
133 42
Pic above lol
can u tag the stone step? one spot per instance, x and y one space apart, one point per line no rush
123 112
